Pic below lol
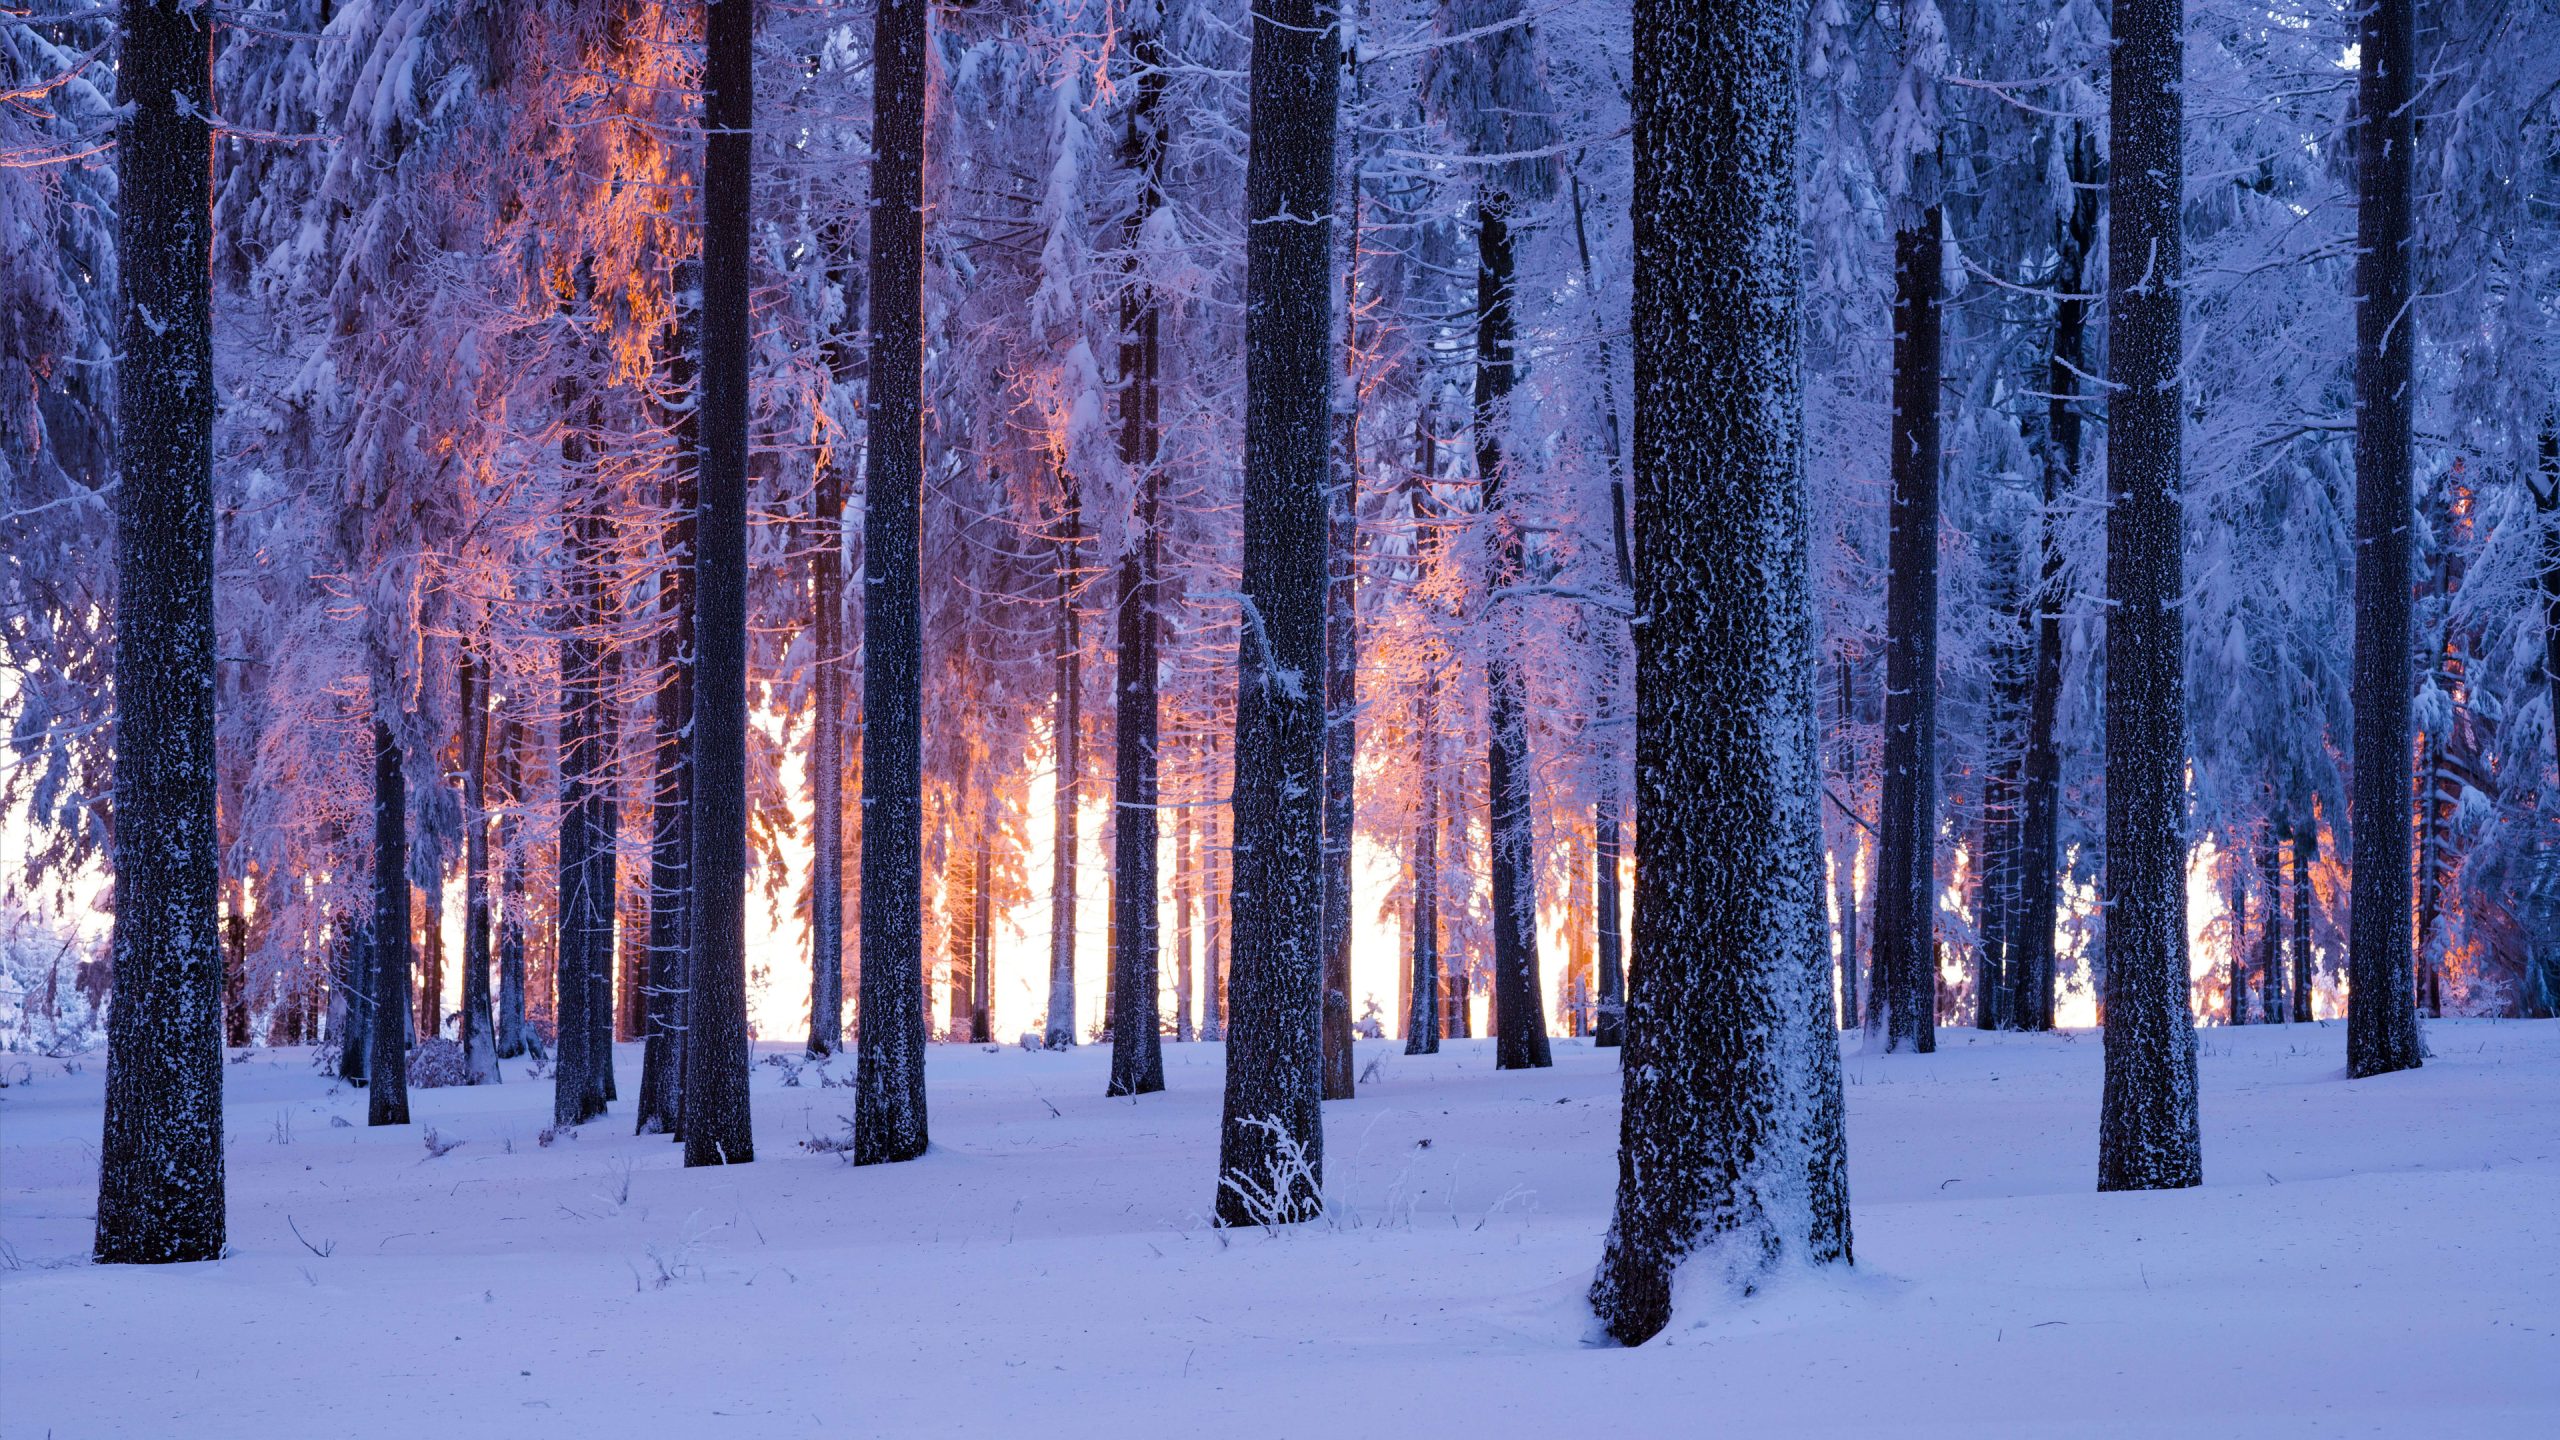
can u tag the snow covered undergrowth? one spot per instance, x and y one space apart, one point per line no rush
2372 1257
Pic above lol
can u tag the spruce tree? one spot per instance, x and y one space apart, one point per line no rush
160 1166
1730 1140
1271 1138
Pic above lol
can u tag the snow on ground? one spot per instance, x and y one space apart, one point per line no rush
2368 1258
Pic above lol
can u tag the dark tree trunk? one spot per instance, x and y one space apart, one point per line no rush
1519 1013
1607 818
2238 919
960 892
2382 1017
826 764
2040 784
606 857
514 1038
1186 896
1271 1142
661 1107
1137 1047
889 1099
2306 848
981 922
1422 1016
582 905
2003 816
1845 888
2147 1136
1216 876
1906 850
479 1050
1730 1137
2271 986
430 996
1067 725
718 1129
387 1049
353 1017
2542 966
160 1166
235 973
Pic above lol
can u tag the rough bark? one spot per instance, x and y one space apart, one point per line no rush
579 920
1341 593
718 1129
826 762
160 1165
1271 1142
479 1047
1608 814
1067 730
387 1050
351 1018
514 1038
1519 1015
2382 1018
889 1099
1730 1140
1137 1046
1906 852
2272 1005
2147 1137
2040 785
661 1107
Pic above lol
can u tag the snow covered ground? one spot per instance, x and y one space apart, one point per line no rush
2369 1258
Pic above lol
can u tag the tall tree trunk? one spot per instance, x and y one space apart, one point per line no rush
2271 987
1067 728
160 1165
2238 918
1519 1018
352 1017
1215 877
1906 852
2147 1136
1271 1141
479 1050
1137 1046
1607 816
661 1107
235 969
826 764
1341 592
430 997
889 1099
981 922
2040 784
718 1128
1730 1137
387 1052
960 897
2382 1018
2541 996
2306 847
604 947
579 923
514 1037
1422 1017
1186 871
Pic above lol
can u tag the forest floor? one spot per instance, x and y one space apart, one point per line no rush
2366 1258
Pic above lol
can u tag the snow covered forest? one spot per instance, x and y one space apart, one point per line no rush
1453 711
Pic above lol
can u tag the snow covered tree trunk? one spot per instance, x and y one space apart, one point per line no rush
1519 1012
605 886
826 765
235 968
2237 909
1906 853
718 1129
2382 1017
387 1050
2147 1136
661 1107
1067 725
889 1099
430 996
160 1165
1137 1044
479 1049
2040 790
1186 870
1730 1141
513 1038
1271 1141
981 921
579 912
